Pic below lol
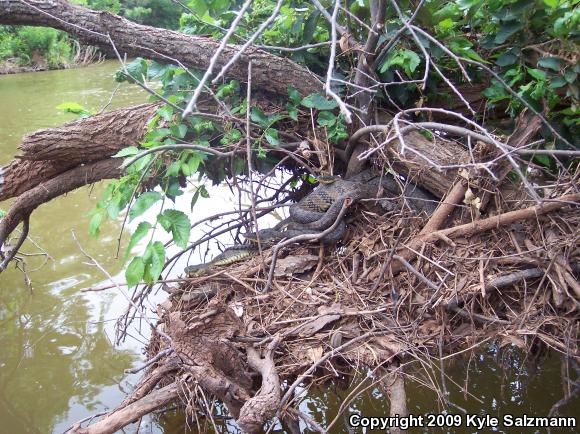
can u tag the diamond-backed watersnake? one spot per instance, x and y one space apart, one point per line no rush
318 211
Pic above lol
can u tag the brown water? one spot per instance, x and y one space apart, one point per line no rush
57 363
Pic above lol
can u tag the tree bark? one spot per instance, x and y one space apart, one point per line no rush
270 73
50 152
113 422
54 187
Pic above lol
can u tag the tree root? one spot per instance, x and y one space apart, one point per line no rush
265 403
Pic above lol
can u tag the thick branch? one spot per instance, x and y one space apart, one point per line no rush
272 73
56 150
264 405
63 183
133 412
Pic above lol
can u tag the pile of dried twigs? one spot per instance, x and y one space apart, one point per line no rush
399 289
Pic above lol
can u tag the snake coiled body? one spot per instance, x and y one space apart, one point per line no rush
318 211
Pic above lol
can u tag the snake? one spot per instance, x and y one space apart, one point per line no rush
317 212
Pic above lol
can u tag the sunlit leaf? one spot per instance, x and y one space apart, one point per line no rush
95 223
129 151
178 224
141 231
272 136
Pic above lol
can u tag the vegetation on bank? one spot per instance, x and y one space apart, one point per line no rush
38 47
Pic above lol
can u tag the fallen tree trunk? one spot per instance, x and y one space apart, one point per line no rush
54 187
52 151
271 73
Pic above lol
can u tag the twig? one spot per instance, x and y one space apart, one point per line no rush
327 86
250 41
12 252
303 237
149 362
213 60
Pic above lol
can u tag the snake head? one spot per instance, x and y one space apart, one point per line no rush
327 179
267 236
195 270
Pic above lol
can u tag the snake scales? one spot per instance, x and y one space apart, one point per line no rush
318 211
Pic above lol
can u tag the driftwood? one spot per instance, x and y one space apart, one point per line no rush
113 422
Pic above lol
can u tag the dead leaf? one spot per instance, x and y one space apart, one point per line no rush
314 354
295 265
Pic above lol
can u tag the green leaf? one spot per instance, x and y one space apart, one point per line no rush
95 224
292 112
194 161
178 224
570 76
326 119
557 82
318 102
294 95
73 107
179 131
553 63
310 27
154 261
446 24
194 198
138 235
272 136
544 160
185 169
537 73
166 112
259 117
506 59
138 69
2 213
143 203
506 30
135 271
407 59
552 3
141 163
203 192
129 151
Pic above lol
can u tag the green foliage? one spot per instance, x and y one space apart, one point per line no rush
35 44
75 108
157 13
406 59
318 102
298 23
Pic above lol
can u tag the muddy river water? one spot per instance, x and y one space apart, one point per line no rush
57 361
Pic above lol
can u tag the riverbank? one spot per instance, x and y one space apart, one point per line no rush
11 66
